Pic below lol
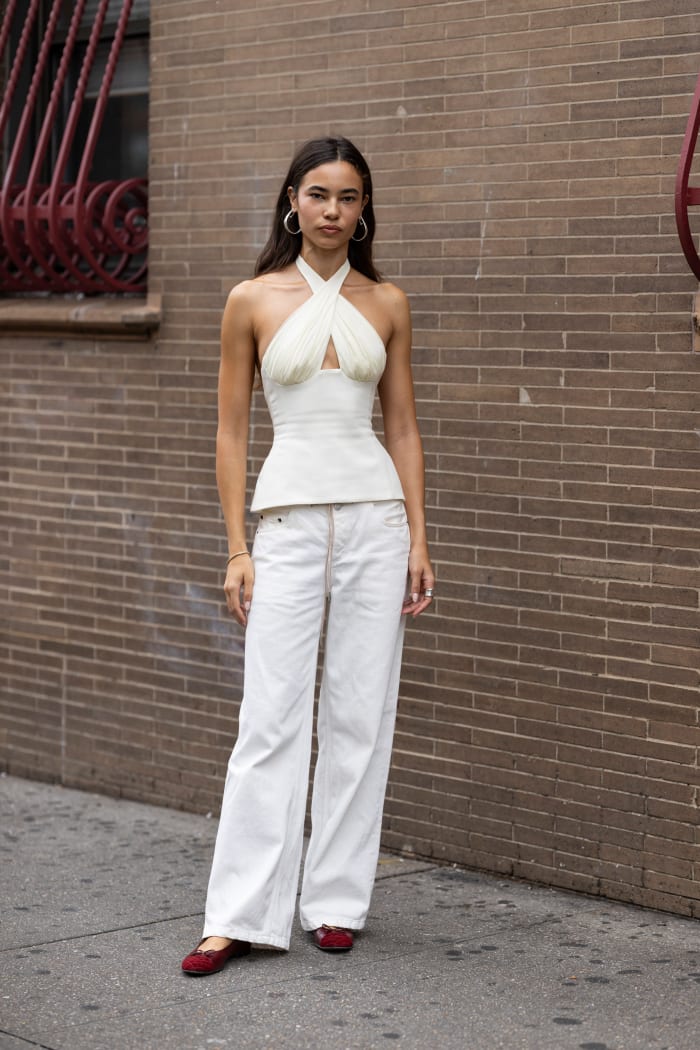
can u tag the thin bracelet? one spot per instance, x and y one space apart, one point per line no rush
236 555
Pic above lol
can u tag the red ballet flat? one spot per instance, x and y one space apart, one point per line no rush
201 963
333 939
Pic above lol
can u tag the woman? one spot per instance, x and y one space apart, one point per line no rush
341 530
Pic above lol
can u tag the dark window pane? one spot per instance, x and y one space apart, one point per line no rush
122 146
140 11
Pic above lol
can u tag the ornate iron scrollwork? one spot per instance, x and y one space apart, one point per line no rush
687 196
84 236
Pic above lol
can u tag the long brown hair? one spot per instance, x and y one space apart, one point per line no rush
282 248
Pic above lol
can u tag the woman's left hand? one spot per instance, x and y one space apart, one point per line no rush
421 581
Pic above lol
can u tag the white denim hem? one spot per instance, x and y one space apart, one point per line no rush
253 936
346 924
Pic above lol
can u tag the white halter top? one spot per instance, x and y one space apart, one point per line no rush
299 345
324 448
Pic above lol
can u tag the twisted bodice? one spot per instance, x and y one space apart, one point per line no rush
324 449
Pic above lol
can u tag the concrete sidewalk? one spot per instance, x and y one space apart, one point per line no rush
102 898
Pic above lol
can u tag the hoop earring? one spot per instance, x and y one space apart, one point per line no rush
286 219
364 227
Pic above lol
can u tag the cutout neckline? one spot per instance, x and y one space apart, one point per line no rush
310 277
317 283
299 348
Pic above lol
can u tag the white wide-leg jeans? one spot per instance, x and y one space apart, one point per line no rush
356 556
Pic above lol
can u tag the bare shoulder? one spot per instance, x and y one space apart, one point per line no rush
245 300
238 321
255 291
393 296
244 294
239 302
394 304
386 295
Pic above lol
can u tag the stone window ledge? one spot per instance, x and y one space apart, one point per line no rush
118 316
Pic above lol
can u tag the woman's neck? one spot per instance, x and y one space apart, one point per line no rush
324 263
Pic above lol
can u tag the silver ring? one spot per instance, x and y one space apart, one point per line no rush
428 592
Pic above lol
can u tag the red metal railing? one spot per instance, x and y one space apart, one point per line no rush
688 195
84 236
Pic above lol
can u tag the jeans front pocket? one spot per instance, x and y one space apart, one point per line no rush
272 520
395 514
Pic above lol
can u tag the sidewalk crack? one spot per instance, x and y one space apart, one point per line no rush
99 933
29 1042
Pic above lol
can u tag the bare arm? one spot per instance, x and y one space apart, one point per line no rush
236 373
404 445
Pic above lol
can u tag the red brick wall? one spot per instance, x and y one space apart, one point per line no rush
524 156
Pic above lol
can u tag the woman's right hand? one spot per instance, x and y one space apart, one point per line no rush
238 587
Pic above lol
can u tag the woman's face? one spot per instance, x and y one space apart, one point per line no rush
329 203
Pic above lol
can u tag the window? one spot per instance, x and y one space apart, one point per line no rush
74 121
